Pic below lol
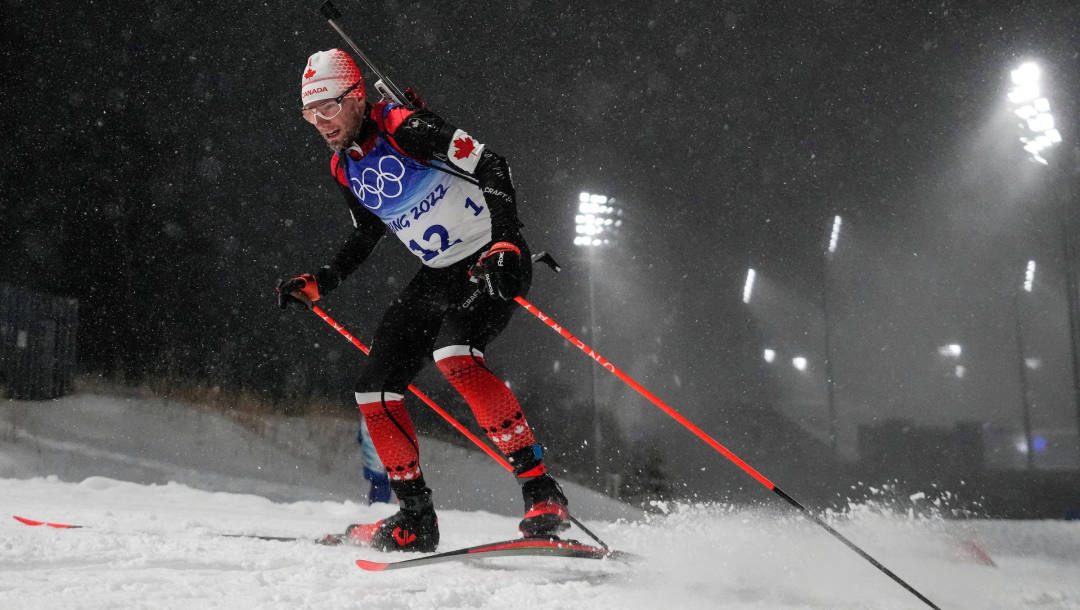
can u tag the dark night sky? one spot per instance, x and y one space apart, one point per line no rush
155 166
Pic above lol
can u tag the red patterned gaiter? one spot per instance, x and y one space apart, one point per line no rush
392 433
494 405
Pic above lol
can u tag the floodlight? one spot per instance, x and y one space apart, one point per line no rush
1041 160
1029 276
799 363
1054 135
770 355
1042 122
835 237
1024 93
594 218
1042 104
1026 112
748 288
1027 74
950 351
960 371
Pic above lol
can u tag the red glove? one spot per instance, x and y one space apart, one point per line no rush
303 290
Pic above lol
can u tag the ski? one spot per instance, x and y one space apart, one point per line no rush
33 523
328 540
552 547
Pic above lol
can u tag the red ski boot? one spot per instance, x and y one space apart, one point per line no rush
413 528
545 504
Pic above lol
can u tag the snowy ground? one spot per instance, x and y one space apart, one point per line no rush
156 546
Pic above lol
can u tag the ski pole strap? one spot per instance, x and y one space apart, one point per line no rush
502 246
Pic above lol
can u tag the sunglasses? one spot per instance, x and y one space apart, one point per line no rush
328 109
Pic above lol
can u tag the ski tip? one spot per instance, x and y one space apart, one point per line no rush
36 523
371 566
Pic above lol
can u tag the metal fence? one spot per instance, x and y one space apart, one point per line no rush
37 342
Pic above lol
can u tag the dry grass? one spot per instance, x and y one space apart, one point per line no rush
247 408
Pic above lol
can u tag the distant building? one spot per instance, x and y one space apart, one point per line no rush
37 343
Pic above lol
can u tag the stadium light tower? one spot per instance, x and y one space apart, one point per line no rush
1026 99
1039 133
830 384
597 221
596 226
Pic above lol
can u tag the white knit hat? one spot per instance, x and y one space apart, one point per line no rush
327 75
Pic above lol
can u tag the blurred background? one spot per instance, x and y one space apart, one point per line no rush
843 235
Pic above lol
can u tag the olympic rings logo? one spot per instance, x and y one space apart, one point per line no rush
382 184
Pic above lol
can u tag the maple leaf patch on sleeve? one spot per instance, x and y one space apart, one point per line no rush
464 151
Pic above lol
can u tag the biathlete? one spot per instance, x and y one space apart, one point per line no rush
451 201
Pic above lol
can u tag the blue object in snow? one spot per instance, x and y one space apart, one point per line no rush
374 470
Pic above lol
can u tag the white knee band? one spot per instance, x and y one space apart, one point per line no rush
366 398
456 350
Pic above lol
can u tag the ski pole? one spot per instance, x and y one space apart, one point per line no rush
453 422
449 418
715 445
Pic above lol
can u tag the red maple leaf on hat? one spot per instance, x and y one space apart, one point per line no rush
463 147
309 73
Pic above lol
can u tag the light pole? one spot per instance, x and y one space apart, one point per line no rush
834 240
1021 349
596 224
1039 135
799 362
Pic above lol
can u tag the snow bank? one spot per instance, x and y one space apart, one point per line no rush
284 459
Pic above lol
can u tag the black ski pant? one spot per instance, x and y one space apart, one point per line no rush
439 308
